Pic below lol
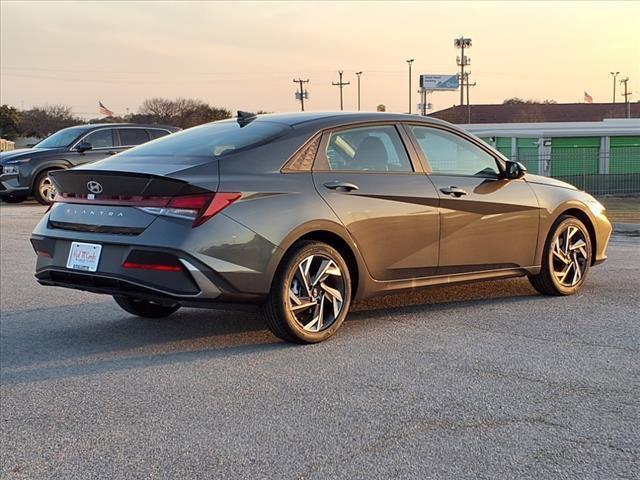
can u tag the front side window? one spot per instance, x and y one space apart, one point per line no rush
100 138
62 138
132 136
375 149
449 154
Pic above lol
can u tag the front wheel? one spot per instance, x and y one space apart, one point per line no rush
145 308
44 191
310 295
565 260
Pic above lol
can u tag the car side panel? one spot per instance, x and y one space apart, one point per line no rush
554 201
282 208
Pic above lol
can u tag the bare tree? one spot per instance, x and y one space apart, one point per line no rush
43 121
181 112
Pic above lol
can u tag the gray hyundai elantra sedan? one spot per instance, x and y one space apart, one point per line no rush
297 215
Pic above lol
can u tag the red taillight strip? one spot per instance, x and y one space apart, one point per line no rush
118 200
153 266
204 205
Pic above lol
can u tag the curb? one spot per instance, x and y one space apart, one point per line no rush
627 228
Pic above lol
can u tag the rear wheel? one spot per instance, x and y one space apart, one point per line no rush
565 260
145 308
44 191
310 295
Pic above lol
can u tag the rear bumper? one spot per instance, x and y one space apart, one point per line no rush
210 295
223 264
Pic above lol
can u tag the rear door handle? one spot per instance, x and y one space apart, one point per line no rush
341 186
455 191
110 153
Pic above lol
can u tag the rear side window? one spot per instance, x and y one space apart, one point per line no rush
132 136
212 140
375 148
100 138
156 133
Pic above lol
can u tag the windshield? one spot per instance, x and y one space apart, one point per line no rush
211 140
62 138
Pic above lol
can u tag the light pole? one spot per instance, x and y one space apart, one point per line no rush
410 62
358 75
614 75
462 61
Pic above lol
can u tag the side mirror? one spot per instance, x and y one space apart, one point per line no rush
514 170
83 147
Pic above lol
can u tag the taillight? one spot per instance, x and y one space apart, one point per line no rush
219 202
198 208
152 260
158 267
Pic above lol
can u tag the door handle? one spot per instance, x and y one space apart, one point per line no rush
341 186
110 153
455 191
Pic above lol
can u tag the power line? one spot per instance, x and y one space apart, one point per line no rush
303 93
340 84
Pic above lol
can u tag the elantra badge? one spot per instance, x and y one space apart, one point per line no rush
94 187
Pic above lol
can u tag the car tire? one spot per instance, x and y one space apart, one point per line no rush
565 261
310 295
44 191
144 308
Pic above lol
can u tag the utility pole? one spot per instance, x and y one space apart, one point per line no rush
468 84
302 94
410 62
340 84
462 61
626 96
358 75
614 75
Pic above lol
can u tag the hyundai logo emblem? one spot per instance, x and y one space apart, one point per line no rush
94 187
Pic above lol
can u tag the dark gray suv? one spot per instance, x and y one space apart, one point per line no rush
25 172
298 214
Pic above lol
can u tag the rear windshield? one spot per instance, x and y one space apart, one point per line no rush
212 140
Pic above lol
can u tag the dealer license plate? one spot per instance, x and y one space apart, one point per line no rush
84 256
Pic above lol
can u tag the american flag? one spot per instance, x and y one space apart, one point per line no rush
588 98
104 110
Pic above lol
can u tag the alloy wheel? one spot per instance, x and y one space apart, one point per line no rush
316 293
47 189
569 256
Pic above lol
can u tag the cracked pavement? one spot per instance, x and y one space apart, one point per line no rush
484 381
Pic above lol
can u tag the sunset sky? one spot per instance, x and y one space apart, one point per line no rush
245 55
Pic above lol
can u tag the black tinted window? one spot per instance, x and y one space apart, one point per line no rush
378 148
211 140
156 133
100 138
132 136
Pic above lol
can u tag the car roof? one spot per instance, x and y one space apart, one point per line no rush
327 119
92 126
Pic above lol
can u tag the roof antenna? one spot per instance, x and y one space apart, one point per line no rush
245 118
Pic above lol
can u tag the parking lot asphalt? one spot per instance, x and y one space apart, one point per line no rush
489 380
